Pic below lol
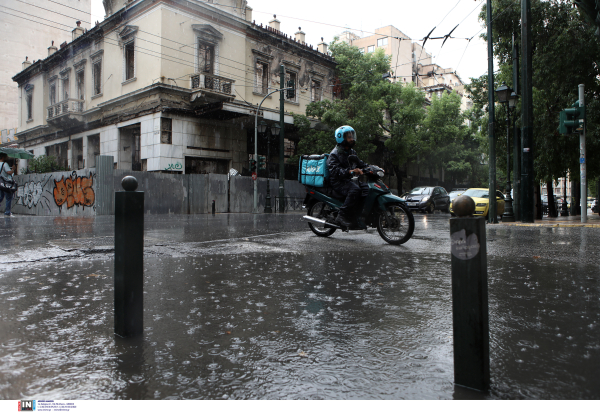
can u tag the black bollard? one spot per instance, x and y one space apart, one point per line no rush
213 207
129 260
469 297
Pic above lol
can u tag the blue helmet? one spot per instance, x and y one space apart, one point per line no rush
341 131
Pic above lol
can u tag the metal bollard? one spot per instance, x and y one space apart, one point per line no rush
469 297
129 260
213 207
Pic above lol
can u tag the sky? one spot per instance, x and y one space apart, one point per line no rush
327 18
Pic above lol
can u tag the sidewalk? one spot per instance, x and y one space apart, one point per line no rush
593 220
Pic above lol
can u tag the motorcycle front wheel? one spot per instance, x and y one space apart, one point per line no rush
402 224
320 210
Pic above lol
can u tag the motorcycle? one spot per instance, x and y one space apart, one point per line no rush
380 208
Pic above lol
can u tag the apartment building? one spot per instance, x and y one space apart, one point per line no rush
396 44
410 62
434 79
168 85
28 29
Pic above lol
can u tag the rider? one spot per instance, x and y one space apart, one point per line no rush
340 174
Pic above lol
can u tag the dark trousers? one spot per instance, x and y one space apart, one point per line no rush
9 198
355 193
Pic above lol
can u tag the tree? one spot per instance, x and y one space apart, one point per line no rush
394 118
565 52
442 133
377 109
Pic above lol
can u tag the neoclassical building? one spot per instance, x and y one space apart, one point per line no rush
167 85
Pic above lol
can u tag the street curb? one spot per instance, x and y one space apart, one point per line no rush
551 224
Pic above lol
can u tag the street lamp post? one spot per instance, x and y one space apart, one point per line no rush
262 130
275 128
255 208
509 98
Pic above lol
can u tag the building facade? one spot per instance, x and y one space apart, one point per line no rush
169 85
410 62
395 44
28 29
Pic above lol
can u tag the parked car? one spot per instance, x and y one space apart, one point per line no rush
427 199
481 197
455 193
589 202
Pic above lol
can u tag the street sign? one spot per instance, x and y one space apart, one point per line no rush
254 176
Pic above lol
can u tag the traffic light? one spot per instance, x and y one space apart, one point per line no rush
252 165
291 91
262 163
572 120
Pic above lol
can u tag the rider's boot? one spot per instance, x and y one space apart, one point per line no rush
343 221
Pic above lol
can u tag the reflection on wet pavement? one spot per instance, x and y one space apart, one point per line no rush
232 311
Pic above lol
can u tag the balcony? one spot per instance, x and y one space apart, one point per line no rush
210 88
67 112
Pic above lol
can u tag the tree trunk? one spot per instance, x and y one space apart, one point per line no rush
538 202
398 179
552 212
573 196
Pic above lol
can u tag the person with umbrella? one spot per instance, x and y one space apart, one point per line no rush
6 172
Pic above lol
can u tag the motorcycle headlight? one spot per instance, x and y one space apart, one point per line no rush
425 199
481 204
380 173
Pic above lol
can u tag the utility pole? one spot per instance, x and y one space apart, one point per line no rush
516 138
526 211
281 136
492 214
582 166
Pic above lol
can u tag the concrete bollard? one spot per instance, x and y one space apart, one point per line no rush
469 297
129 260
213 207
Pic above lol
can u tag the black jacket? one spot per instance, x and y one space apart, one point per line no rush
339 168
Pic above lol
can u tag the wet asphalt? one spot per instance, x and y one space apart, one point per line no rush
242 306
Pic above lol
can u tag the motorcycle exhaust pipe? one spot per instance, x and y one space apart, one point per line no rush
320 221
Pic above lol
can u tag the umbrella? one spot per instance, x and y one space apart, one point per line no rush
17 153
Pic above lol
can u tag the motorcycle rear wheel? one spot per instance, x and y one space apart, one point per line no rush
320 210
403 224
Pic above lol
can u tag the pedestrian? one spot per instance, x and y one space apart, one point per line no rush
7 173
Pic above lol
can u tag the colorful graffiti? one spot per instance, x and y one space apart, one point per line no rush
74 190
48 192
32 193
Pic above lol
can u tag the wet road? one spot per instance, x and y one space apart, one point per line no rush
257 307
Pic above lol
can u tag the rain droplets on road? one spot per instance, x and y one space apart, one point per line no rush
238 309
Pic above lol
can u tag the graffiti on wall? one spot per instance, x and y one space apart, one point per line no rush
48 192
33 194
174 166
74 190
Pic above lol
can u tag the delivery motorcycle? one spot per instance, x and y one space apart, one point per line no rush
380 208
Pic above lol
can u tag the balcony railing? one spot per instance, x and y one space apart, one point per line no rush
69 106
213 83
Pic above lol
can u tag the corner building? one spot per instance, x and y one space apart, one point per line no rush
169 86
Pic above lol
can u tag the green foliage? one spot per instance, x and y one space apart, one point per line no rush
565 52
395 114
312 141
42 164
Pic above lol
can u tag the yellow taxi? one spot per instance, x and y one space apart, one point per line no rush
481 197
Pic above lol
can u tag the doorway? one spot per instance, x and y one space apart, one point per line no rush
130 148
